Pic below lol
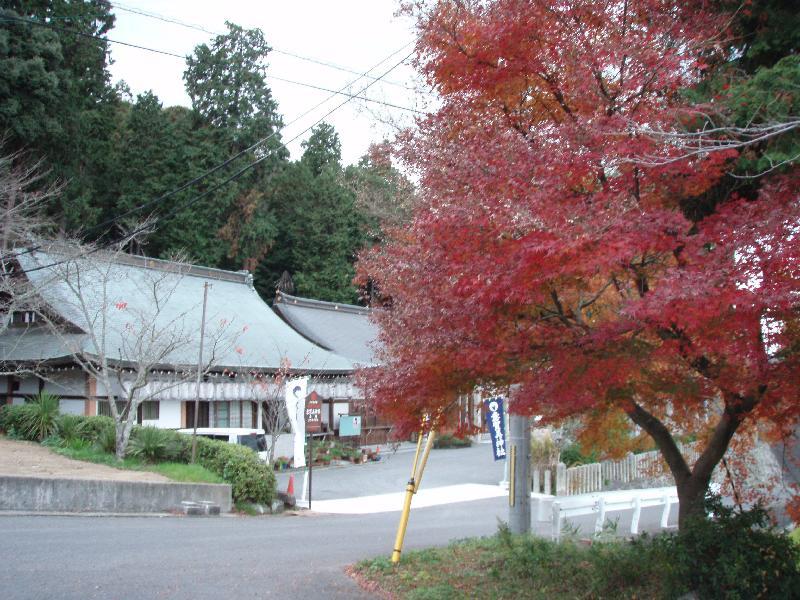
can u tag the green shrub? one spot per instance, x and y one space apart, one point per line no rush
450 441
573 455
251 479
152 444
93 427
34 421
12 420
105 436
733 555
70 428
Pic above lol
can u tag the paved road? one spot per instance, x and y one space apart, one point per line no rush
235 557
240 557
390 474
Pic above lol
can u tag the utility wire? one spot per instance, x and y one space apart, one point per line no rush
233 177
342 93
230 160
86 35
182 57
172 20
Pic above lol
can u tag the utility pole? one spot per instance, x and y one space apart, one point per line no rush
519 489
199 372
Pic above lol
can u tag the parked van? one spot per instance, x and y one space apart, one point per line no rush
252 438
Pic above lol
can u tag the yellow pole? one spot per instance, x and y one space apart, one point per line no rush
411 489
428 446
416 455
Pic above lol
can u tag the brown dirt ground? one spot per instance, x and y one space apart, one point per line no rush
32 460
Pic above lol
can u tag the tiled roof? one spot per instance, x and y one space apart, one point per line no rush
343 328
254 336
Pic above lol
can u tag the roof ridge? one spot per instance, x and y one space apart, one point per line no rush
161 264
284 298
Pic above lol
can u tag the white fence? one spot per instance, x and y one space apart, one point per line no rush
601 505
584 479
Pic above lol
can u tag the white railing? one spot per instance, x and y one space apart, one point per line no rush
601 505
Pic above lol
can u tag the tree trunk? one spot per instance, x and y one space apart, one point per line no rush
123 430
692 483
691 495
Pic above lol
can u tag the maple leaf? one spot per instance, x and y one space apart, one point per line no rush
546 252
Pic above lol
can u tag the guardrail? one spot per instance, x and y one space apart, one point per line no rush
602 504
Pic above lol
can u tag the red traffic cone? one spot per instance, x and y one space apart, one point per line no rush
290 487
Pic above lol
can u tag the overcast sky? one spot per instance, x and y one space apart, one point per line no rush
353 34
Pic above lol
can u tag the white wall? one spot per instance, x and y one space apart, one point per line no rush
169 415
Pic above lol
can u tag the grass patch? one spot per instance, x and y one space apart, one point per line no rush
185 473
732 557
86 452
525 567
174 471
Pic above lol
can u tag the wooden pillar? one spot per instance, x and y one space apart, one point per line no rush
90 404
10 389
184 423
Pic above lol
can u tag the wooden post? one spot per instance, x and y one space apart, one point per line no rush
199 372
90 404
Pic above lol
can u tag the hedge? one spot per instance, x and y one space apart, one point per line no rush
251 479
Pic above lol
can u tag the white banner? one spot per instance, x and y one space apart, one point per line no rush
295 393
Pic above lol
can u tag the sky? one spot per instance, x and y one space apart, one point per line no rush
355 35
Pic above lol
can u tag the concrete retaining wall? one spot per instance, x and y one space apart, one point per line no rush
85 495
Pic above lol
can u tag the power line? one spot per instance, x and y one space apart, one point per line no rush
172 20
251 148
182 57
87 35
233 177
342 93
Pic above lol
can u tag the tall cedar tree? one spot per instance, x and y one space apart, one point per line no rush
56 102
570 238
319 228
226 82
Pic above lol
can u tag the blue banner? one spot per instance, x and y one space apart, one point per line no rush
496 422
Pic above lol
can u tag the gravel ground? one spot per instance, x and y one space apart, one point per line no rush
32 460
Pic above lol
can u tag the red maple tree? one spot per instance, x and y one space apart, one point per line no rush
568 241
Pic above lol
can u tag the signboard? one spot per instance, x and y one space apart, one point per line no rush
349 425
496 422
313 413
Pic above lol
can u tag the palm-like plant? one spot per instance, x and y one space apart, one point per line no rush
41 416
151 444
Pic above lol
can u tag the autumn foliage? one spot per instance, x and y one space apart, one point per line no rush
571 238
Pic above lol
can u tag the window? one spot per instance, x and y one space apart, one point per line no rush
148 411
23 318
104 409
222 414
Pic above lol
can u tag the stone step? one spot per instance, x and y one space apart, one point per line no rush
202 508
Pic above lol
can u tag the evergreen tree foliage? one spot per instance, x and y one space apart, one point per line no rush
227 85
56 101
120 158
